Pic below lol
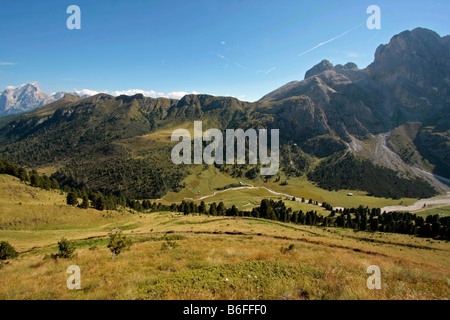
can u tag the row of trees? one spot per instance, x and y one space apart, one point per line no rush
360 219
100 201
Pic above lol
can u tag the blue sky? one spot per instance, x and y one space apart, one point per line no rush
234 47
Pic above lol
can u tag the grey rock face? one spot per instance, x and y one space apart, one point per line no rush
408 81
23 99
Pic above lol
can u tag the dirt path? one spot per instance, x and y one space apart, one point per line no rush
249 186
420 204
241 188
221 191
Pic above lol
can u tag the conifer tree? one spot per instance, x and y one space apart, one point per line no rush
202 208
85 203
100 203
72 199
213 209
221 209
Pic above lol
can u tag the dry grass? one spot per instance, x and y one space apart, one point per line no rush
199 266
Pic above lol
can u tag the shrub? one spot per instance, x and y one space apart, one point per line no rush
7 251
65 250
288 249
117 243
169 245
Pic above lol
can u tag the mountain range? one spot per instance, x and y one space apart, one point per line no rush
27 97
342 127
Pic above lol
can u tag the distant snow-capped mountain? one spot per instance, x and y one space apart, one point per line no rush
27 97
23 98
58 95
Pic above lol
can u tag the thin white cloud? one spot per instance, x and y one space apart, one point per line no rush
223 43
222 57
330 40
241 66
235 63
176 95
85 92
267 71
4 63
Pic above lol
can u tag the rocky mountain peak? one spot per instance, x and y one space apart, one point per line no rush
416 42
419 56
324 65
23 98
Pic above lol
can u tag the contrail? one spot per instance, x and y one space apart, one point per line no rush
270 70
332 39
235 63
241 66
222 57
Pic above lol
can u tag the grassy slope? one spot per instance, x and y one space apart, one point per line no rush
325 263
35 217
